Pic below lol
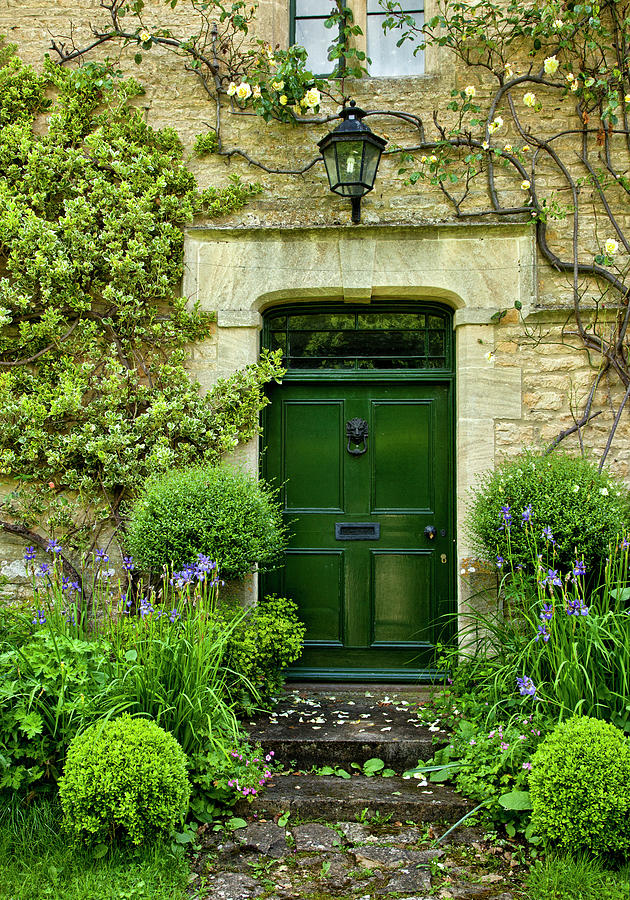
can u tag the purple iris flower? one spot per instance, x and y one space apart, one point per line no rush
576 608
542 633
53 547
552 578
527 514
546 533
29 554
579 568
526 687
500 562
506 515
547 612
101 555
128 564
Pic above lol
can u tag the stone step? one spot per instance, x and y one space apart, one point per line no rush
319 729
334 799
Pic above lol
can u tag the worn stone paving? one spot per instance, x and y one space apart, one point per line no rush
351 861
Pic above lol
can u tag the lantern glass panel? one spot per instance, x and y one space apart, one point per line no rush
330 161
371 161
349 165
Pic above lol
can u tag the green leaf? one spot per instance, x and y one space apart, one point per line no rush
517 800
100 851
284 818
235 823
372 766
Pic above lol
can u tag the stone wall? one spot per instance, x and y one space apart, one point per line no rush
519 382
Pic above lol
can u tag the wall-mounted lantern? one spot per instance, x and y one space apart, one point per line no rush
351 154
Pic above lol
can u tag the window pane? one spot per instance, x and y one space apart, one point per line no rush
334 322
311 34
387 320
413 7
387 58
314 8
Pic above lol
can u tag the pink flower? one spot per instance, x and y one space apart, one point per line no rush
527 765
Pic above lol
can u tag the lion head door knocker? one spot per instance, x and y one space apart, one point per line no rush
357 434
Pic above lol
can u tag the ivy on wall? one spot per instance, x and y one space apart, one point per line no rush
94 335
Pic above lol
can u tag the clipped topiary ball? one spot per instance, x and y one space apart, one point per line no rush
224 514
580 787
584 509
126 780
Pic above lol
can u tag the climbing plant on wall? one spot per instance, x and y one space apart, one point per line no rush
540 133
94 334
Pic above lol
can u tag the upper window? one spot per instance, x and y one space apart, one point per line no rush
358 340
308 19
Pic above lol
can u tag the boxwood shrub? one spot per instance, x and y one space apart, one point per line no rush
124 780
585 510
580 787
222 513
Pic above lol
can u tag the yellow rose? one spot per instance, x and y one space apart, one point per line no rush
611 246
231 89
313 97
277 85
243 91
525 185
551 65
284 100
529 99
256 92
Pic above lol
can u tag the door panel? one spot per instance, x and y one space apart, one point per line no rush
371 605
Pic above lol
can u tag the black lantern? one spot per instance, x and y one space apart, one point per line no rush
351 156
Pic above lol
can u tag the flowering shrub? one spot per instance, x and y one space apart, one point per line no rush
227 515
487 762
124 779
580 787
565 497
222 777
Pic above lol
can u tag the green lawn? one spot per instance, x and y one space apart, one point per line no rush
37 863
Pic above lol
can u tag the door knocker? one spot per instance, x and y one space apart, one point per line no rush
357 433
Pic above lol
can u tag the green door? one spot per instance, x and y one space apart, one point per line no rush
371 552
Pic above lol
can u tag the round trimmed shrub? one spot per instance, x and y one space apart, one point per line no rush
125 779
585 509
224 514
580 787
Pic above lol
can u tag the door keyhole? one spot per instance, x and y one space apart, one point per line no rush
443 558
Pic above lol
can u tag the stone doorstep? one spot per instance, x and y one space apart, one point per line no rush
339 727
335 799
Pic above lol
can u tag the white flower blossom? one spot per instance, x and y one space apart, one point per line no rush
611 246
231 89
551 65
529 99
470 90
509 72
570 76
489 356
243 91
145 35
525 185
485 145
627 98
495 124
558 24
256 92
508 148
575 85
603 491
312 97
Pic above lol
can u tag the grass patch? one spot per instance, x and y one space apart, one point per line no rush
579 878
38 864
